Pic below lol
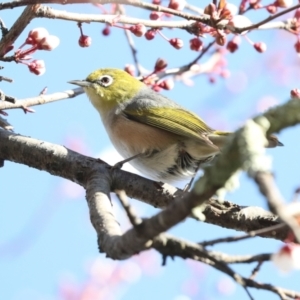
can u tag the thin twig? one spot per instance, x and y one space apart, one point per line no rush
244 236
256 270
42 99
132 216
269 189
3 78
130 41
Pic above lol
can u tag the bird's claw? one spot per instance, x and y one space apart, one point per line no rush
118 165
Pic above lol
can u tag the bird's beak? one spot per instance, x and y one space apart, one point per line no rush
82 83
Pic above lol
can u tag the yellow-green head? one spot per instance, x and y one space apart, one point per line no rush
109 88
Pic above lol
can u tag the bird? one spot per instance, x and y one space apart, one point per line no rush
161 139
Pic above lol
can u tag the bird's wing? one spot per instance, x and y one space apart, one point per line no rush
169 116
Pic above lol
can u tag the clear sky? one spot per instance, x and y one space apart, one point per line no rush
48 248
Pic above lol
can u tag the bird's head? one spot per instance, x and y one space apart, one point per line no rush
109 88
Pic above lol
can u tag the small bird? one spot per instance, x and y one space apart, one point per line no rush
161 139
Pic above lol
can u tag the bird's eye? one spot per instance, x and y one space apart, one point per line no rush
105 80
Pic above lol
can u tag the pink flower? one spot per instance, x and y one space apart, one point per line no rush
288 257
297 46
36 35
176 43
260 47
160 65
177 4
155 15
85 41
167 84
295 93
283 3
48 43
150 34
106 31
130 69
138 30
196 44
37 67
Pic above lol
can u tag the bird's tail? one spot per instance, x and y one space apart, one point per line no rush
219 138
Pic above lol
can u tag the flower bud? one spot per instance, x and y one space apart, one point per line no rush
196 44
36 35
155 15
85 41
150 34
106 31
272 9
283 3
160 65
297 46
287 258
156 88
221 40
167 84
37 67
138 30
130 69
176 43
232 46
295 93
260 47
210 9
225 14
297 14
177 4
48 43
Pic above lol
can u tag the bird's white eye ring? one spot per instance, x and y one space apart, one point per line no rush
105 80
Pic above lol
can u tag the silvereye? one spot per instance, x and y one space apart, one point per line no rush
165 141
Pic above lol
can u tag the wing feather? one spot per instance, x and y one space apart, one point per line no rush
172 118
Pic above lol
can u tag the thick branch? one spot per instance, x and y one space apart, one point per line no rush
21 23
60 161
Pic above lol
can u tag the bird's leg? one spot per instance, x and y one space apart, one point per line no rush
189 185
120 164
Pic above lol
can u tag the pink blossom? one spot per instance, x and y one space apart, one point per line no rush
138 30
260 47
130 69
37 67
48 43
196 44
177 4
160 65
288 257
284 3
85 41
36 35
167 84
176 43
150 34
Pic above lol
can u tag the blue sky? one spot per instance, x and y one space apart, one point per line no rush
47 244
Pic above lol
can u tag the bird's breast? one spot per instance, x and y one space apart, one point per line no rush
130 137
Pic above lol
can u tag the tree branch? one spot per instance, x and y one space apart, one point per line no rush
18 27
41 99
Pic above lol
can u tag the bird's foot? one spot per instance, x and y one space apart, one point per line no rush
120 164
